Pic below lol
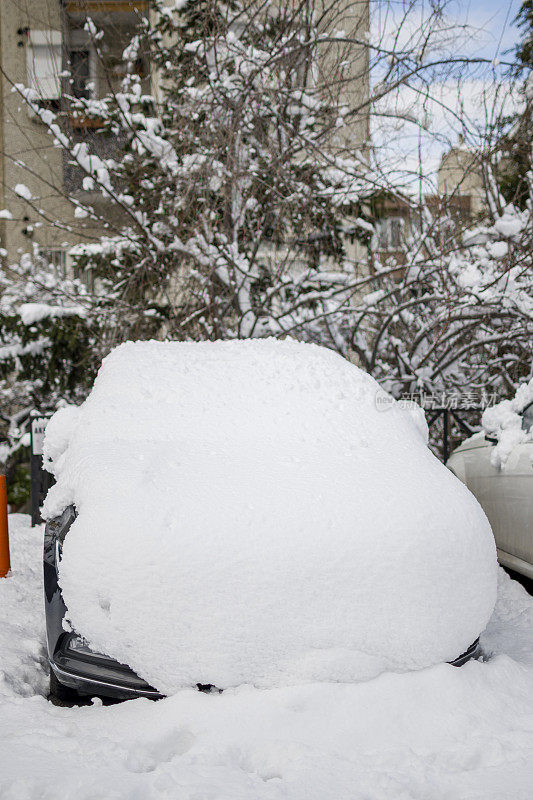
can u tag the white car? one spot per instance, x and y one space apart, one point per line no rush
504 493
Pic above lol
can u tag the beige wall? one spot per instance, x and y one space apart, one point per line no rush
25 139
349 84
460 174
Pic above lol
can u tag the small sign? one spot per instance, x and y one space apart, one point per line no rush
41 480
38 427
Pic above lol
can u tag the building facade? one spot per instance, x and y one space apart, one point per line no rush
45 45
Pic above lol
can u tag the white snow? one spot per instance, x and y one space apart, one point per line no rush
6 214
22 190
15 350
439 733
30 313
510 224
247 514
498 249
91 28
503 421
23 660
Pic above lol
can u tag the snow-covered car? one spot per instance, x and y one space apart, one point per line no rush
76 670
497 466
252 512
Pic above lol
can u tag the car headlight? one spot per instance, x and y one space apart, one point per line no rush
75 657
77 645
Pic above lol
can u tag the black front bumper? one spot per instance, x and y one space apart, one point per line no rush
97 675
474 651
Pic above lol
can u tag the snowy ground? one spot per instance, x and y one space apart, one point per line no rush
437 733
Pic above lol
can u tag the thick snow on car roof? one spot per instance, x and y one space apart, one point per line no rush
254 512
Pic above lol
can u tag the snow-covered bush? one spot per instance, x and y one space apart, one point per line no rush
504 422
233 184
47 350
240 188
460 317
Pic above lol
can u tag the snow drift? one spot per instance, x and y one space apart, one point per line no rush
504 421
249 513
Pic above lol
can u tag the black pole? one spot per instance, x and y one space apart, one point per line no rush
445 435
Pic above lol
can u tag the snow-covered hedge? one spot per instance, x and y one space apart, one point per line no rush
504 422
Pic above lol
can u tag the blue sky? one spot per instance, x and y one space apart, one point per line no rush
494 20
461 106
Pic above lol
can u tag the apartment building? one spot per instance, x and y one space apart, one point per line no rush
460 197
460 179
44 45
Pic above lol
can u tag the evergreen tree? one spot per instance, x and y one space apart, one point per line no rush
515 147
524 50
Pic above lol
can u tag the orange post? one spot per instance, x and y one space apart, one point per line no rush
5 564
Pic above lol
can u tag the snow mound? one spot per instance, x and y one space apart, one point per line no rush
510 224
248 513
504 421
23 660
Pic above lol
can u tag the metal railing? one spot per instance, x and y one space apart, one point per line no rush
448 427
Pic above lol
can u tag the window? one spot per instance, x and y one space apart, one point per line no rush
395 233
59 261
81 63
86 276
55 257
43 63
389 232
80 73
